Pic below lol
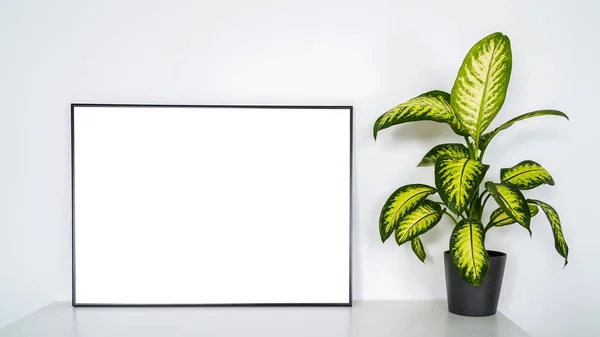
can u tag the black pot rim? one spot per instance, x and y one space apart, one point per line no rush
491 253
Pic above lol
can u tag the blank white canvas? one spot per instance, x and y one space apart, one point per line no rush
211 205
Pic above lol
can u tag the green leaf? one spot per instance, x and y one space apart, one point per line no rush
512 202
526 175
457 180
419 221
499 218
559 240
468 251
485 139
403 201
480 87
418 249
454 150
430 106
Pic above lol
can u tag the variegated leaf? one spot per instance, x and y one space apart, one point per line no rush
403 201
430 106
499 218
454 150
512 202
457 180
418 249
526 175
480 87
485 139
559 239
419 221
468 251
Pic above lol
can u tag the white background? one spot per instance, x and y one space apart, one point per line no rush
371 54
211 205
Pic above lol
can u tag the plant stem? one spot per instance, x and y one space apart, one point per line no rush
487 227
481 155
451 217
472 208
470 146
485 200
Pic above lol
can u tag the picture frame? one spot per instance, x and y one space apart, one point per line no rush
158 219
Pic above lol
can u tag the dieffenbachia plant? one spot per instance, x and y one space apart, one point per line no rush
476 98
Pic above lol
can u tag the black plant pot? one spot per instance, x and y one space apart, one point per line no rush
468 300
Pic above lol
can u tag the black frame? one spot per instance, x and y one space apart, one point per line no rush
350 220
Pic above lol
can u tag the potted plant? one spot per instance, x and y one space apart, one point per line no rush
473 273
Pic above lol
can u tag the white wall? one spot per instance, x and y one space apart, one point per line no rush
372 54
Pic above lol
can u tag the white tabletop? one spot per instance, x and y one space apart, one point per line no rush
364 319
